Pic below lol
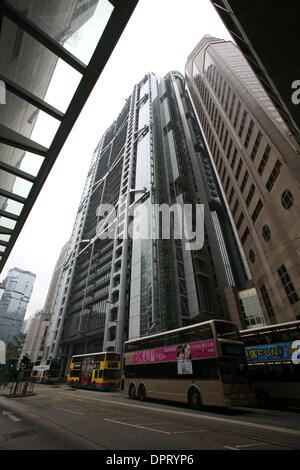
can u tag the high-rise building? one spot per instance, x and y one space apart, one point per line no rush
18 286
124 277
257 161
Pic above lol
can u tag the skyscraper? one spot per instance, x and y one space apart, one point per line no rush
18 286
257 160
124 276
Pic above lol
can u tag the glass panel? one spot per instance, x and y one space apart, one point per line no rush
26 119
10 206
4 238
32 66
76 25
14 184
8 223
31 163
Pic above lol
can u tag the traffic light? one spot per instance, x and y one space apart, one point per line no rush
24 361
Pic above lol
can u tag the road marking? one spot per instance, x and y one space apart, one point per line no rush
198 415
252 445
11 416
184 432
137 426
240 447
69 411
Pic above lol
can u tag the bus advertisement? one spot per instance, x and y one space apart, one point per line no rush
202 365
272 355
95 371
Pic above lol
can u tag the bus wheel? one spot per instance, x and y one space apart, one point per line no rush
132 392
263 399
142 393
194 399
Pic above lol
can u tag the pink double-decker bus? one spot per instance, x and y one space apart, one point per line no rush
202 365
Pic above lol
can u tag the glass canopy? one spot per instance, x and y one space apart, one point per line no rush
52 53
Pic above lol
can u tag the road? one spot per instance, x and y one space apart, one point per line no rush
60 418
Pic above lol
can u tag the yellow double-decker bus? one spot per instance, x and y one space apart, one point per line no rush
95 371
201 365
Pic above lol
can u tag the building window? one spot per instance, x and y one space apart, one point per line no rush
257 211
274 175
256 146
231 196
249 133
238 171
245 114
266 232
238 109
229 149
245 236
240 221
244 182
252 256
225 139
232 105
236 205
250 195
287 199
268 303
233 158
287 284
264 160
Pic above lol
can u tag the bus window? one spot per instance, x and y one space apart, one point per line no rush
227 331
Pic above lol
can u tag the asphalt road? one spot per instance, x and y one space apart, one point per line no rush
60 418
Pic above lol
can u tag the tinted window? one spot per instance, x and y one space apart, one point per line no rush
227 331
231 349
202 369
111 374
233 370
112 357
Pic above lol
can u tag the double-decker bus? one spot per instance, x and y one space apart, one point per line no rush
46 371
96 371
201 365
273 363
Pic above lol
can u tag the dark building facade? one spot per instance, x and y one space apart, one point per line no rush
257 161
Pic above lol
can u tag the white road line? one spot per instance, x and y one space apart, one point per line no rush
201 416
11 416
137 426
251 445
69 411
184 432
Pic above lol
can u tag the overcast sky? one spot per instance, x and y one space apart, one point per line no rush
158 38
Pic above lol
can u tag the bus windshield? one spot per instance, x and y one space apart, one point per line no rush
227 331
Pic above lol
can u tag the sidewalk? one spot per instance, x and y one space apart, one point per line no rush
14 390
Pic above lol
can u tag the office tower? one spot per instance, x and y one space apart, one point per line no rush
265 31
49 312
124 277
258 164
34 344
18 286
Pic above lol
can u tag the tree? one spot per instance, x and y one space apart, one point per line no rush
14 347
